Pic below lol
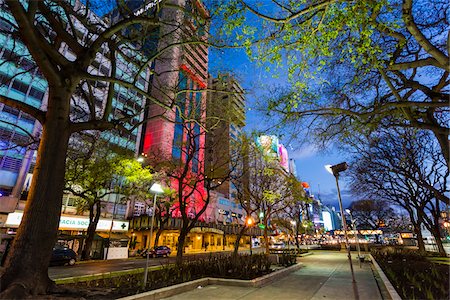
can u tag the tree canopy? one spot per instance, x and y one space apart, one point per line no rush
352 66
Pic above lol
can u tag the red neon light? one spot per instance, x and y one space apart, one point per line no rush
193 76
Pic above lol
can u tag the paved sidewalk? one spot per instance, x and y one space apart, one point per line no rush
324 275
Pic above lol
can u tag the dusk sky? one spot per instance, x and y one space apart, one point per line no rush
309 161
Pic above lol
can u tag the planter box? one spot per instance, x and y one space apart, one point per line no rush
190 285
387 284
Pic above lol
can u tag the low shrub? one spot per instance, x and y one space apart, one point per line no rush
413 276
287 259
220 266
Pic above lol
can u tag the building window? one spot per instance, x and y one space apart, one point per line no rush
179 123
35 93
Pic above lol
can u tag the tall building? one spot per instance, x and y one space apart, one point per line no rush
225 111
181 82
184 67
21 80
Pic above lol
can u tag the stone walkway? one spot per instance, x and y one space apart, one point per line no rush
324 275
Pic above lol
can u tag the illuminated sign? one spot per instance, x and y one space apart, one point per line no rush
73 223
268 144
364 232
146 7
327 222
284 158
407 235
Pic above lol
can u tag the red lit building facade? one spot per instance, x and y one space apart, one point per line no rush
181 82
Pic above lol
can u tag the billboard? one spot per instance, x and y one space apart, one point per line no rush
283 156
268 145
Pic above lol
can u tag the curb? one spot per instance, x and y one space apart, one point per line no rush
188 286
306 254
389 287
83 278
93 261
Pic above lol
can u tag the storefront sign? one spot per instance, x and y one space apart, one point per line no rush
407 235
72 223
206 230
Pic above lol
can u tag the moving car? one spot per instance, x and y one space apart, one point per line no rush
157 252
62 255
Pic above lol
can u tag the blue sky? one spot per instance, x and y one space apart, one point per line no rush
309 161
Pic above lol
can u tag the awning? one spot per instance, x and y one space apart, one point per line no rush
114 236
206 230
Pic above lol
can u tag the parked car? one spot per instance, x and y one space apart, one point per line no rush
62 255
279 245
157 252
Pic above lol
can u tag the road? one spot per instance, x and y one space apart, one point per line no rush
104 266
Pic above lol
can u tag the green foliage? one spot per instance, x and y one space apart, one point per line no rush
90 170
94 169
412 274
337 29
351 66
287 259
244 267
137 179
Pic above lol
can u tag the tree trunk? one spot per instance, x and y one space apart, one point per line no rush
438 239
238 239
158 234
180 246
296 238
266 237
420 242
26 267
94 216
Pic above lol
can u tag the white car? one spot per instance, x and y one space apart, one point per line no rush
279 245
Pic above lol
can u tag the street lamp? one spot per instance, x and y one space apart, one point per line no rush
335 170
357 235
294 233
305 225
112 217
156 189
249 223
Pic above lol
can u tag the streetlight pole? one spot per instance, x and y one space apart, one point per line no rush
306 242
294 234
156 188
356 235
112 219
249 222
335 170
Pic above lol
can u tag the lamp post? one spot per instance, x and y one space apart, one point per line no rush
357 235
156 189
306 242
335 170
294 234
249 222
112 219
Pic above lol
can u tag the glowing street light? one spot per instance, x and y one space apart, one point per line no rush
294 234
335 170
249 222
